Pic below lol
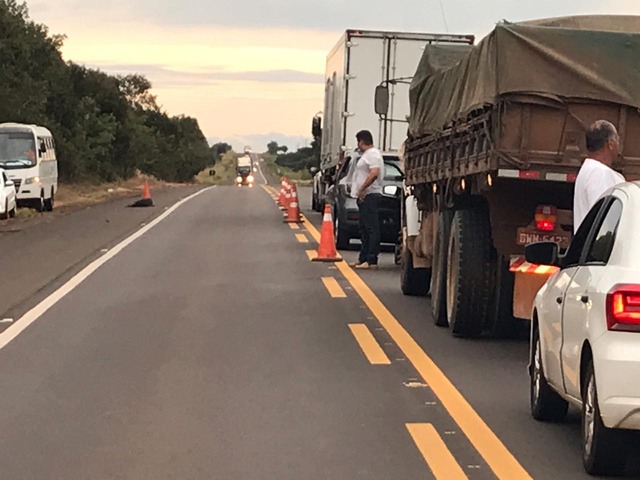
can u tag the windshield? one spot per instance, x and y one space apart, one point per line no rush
17 150
392 172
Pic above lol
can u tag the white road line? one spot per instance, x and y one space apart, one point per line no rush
262 174
36 312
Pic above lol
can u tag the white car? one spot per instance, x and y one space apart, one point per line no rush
7 196
585 330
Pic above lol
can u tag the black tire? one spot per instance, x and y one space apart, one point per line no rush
546 405
49 202
5 215
40 204
501 323
470 272
314 204
439 271
13 212
343 240
413 281
607 452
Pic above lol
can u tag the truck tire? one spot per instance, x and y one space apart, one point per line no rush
439 271
343 240
501 323
470 271
413 281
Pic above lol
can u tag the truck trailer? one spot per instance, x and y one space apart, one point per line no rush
496 139
360 61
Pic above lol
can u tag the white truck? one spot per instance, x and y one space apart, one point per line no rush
361 61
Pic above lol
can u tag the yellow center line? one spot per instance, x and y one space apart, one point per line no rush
369 345
302 238
440 460
294 226
486 442
334 288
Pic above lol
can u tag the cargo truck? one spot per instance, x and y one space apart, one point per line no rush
360 61
496 139
244 168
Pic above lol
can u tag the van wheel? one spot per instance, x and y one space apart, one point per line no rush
546 404
604 450
439 271
40 204
48 203
413 281
470 271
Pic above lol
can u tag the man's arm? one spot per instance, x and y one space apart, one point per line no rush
373 175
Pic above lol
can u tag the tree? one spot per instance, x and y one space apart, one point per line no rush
272 148
219 149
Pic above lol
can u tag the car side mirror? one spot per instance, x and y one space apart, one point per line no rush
43 147
391 190
382 100
316 127
9 183
542 253
313 170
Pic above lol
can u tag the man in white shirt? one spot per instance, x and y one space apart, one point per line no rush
596 175
367 188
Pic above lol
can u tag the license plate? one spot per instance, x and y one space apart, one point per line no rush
527 236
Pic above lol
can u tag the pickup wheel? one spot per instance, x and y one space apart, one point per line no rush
546 404
470 271
413 281
439 271
604 450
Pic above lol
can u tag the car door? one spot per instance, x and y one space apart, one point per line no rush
550 308
582 303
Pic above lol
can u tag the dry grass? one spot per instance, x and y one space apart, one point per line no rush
225 170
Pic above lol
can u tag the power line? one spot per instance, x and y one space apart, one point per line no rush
444 16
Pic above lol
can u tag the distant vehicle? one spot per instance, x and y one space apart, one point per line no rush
585 333
244 168
27 153
247 149
7 197
357 64
345 208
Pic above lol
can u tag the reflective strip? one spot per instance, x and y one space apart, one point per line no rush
518 264
327 218
561 177
525 174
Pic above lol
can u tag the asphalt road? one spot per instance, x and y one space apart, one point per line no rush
210 347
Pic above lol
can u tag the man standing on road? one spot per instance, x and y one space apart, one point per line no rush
596 175
367 188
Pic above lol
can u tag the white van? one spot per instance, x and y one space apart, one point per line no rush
28 155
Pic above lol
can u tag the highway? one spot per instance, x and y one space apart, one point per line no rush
196 340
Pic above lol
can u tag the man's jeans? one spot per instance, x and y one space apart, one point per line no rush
370 228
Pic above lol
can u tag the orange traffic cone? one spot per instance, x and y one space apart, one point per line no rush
287 198
282 193
293 210
327 249
146 200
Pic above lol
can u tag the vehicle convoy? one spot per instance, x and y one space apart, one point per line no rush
360 61
346 218
492 154
27 154
244 169
585 337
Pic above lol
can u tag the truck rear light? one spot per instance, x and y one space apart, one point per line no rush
546 218
623 308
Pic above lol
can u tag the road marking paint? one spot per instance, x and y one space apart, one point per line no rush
369 345
501 461
312 254
36 312
334 288
302 238
294 226
440 460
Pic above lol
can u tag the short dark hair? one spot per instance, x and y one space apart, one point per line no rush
599 134
365 136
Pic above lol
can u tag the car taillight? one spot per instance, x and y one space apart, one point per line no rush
623 308
546 218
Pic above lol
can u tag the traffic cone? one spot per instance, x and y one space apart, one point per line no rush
327 249
287 198
146 200
293 210
282 201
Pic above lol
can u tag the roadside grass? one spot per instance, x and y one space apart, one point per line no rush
225 171
302 178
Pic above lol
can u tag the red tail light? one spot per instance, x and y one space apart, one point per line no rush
623 308
546 218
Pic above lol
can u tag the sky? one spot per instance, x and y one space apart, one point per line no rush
252 71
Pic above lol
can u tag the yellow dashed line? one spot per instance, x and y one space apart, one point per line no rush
440 460
294 226
369 345
334 289
302 238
